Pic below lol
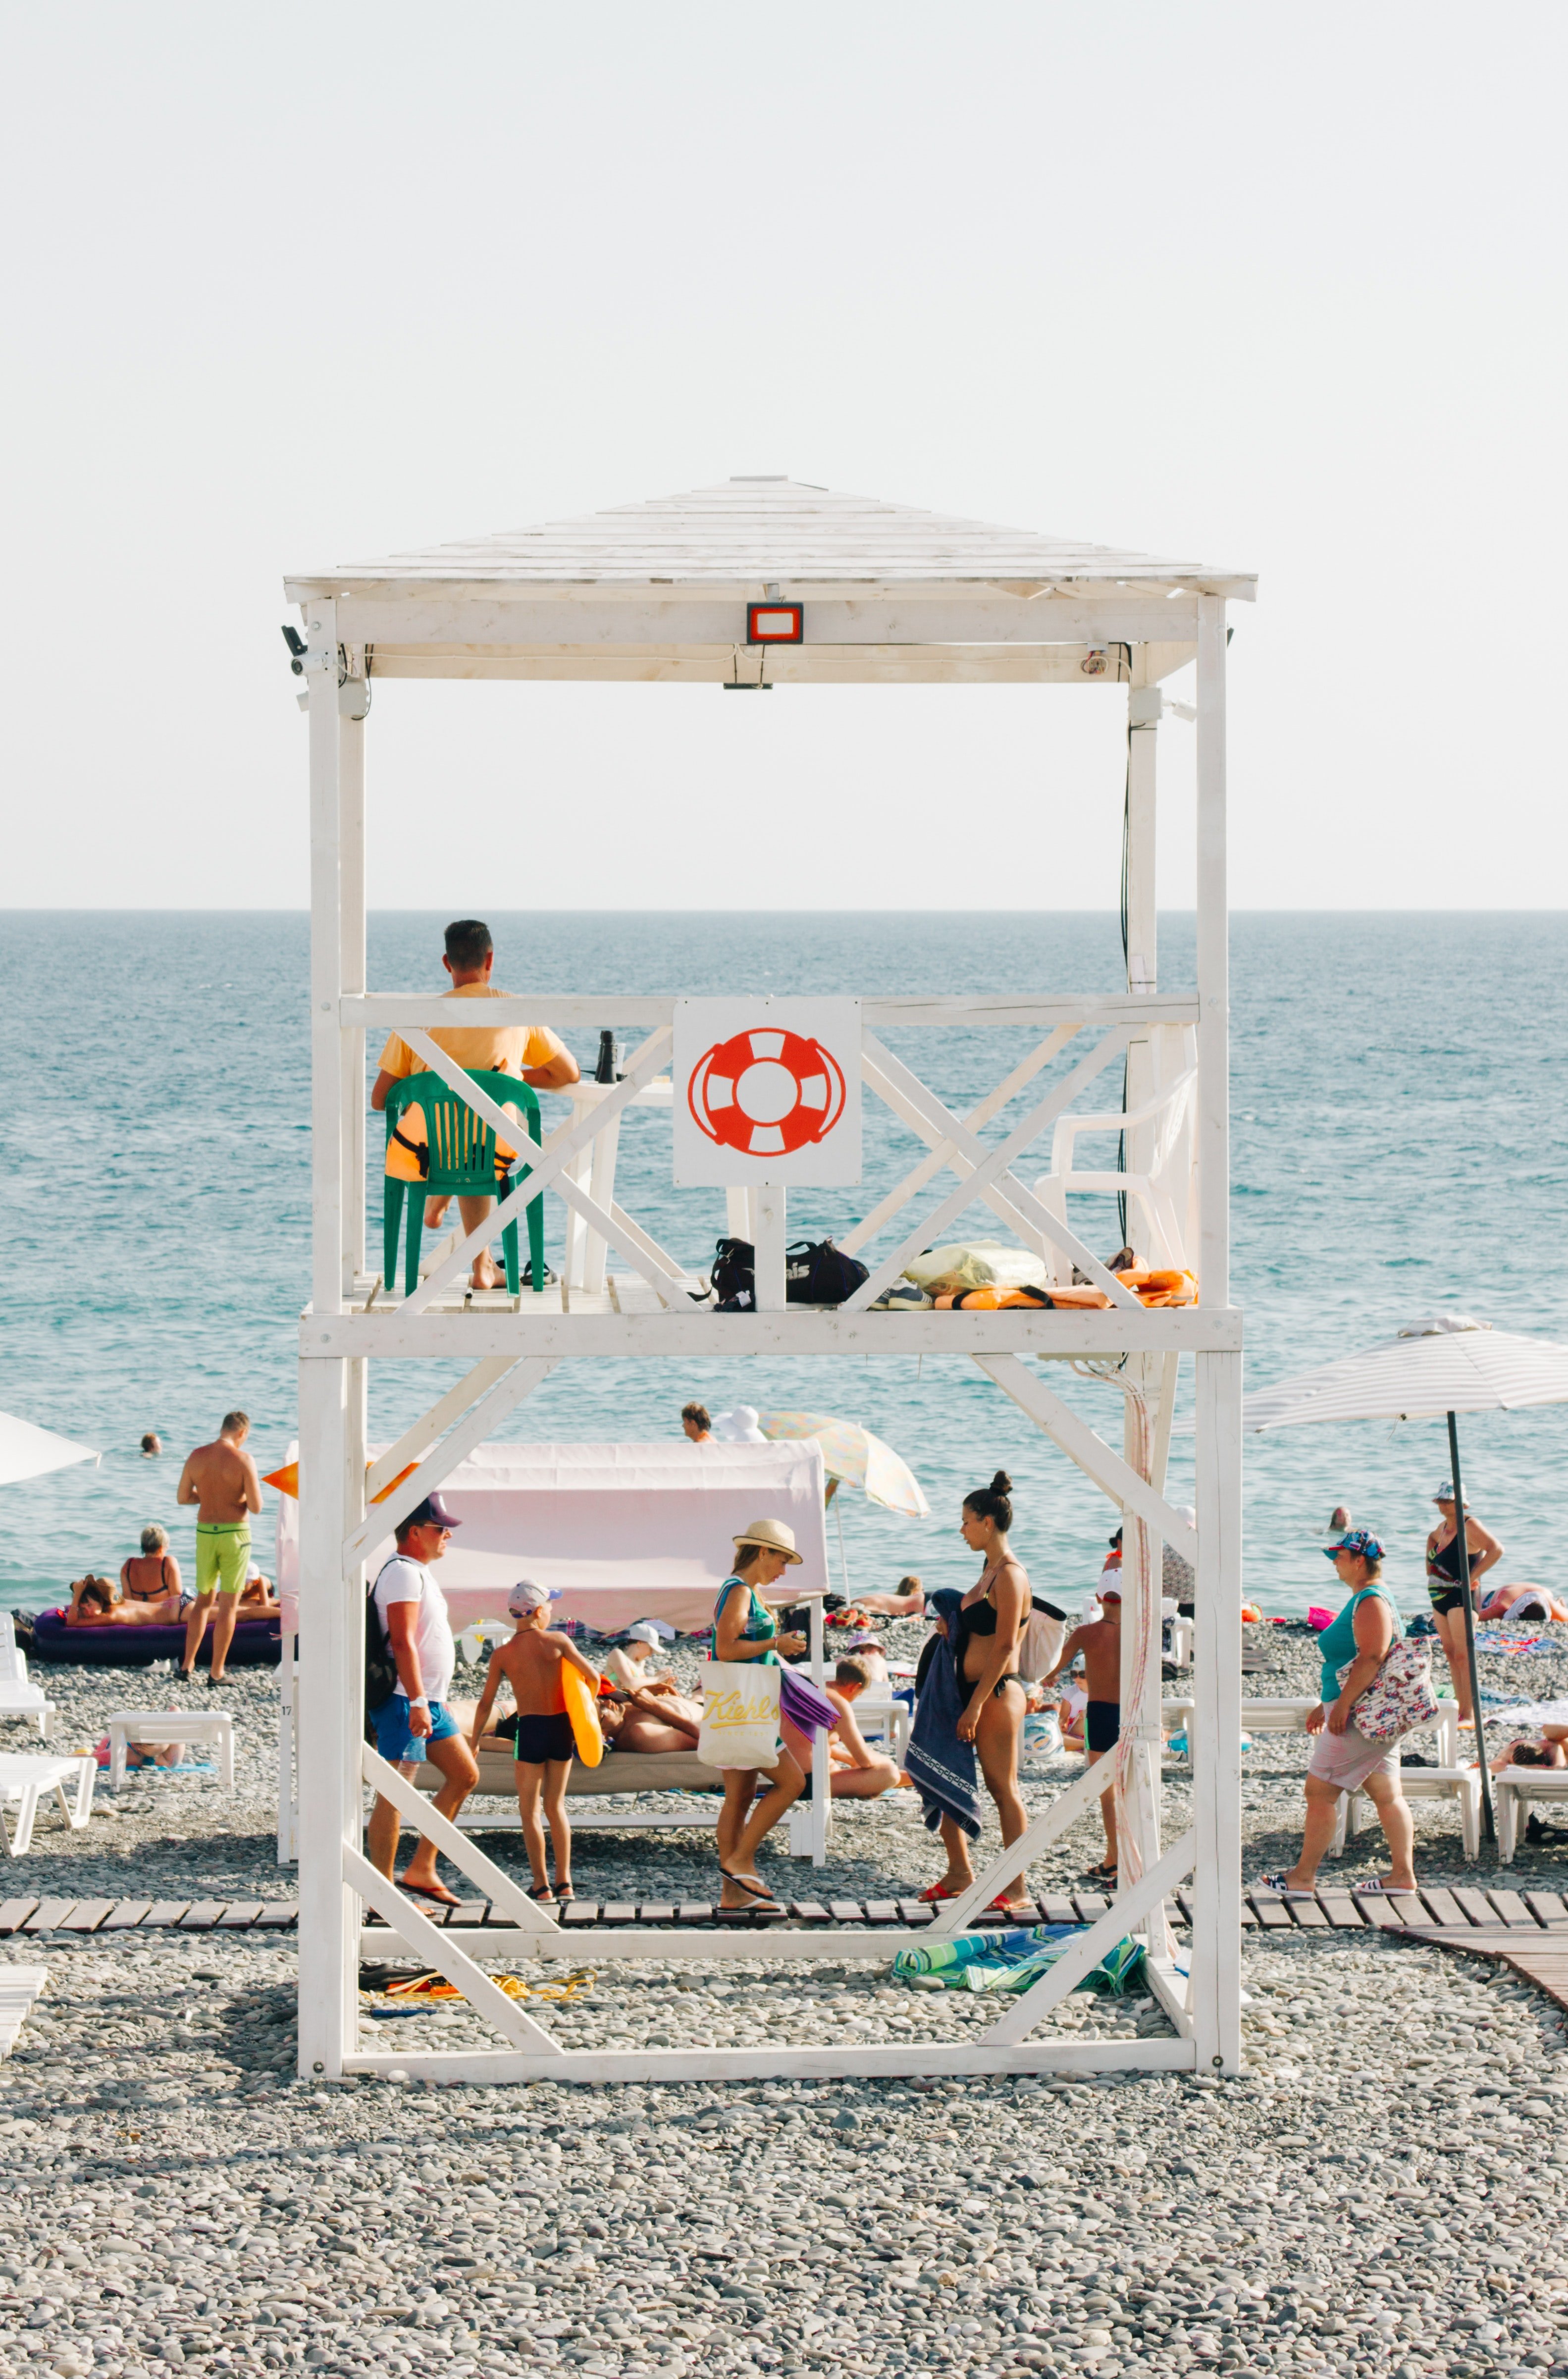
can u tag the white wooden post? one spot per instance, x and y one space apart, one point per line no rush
1216 1720
351 974
1213 992
326 961
772 1232
1142 963
328 1726
1141 1551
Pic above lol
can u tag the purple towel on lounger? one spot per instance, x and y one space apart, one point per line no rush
806 1703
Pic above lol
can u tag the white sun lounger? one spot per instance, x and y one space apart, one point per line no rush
26 1776
1512 1787
18 1698
20 1986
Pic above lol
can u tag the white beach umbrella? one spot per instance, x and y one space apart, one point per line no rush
1533 1714
27 1452
1447 1365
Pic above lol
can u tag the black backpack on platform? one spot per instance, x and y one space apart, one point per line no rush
815 1272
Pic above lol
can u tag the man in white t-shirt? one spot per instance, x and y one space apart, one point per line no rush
414 1724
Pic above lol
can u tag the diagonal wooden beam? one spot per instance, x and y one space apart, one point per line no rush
1025 1211
439 1949
1013 1858
935 1139
1109 1470
945 1152
549 1160
382 1520
1127 1910
994 1165
460 1848
416 1442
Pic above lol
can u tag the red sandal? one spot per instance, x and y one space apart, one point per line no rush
938 1891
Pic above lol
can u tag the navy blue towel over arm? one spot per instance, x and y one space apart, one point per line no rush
938 1762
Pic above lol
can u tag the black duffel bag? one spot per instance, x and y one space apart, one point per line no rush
815 1272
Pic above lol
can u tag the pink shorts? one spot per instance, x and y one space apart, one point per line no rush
1346 1760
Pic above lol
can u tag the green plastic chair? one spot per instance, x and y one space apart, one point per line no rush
461 1164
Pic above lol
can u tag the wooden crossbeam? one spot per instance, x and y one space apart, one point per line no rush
1109 1470
460 1848
1126 1911
1080 1797
520 1380
416 1442
547 1160
993 1166
440 1950
1018 1206
940 1146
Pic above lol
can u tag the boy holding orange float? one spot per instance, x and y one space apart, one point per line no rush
537 1663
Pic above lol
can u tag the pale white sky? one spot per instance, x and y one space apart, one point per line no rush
1278 288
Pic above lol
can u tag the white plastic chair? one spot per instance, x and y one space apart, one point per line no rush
1164 1188
1511 1789
26 1776
17 1697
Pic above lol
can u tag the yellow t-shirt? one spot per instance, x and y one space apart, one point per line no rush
477 1048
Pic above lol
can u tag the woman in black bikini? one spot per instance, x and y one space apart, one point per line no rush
991 1624
1447 1592
155 1576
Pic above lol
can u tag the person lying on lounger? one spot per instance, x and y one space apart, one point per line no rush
634 1663
95 1602
258 1595
649 1721
1551 1751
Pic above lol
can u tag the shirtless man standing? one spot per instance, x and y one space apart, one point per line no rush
1101 1645
221 1481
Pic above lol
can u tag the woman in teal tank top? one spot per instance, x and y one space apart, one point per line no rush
1344 1760
745 1629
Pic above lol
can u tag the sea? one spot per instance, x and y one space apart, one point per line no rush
1399 1150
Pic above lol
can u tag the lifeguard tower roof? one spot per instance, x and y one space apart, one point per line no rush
750 534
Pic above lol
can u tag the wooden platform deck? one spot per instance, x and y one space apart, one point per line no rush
1459 1917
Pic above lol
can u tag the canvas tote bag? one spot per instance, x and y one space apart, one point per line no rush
1399 1697
740 1722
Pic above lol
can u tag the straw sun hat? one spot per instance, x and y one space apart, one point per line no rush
773 1535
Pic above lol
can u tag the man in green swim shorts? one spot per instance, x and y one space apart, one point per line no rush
221 1481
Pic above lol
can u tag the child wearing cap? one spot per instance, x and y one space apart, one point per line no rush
631 1662
531 1663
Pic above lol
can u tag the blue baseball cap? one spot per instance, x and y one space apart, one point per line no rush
1360 1540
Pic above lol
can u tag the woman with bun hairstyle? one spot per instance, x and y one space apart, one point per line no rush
990 1624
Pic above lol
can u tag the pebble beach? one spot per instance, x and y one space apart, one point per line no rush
1380 2190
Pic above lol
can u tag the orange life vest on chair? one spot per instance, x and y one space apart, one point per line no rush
408 1146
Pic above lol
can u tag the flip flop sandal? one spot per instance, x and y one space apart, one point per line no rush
436 1891
1022 1910
564 1891
751 1885
1276 1883
541 1892
1101 1874
936 1891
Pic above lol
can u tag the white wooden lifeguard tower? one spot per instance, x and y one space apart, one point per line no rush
763 581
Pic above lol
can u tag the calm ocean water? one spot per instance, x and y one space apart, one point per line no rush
1400 1147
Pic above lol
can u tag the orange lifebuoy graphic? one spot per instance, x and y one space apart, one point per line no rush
767 1092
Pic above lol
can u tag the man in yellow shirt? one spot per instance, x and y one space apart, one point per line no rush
532 1052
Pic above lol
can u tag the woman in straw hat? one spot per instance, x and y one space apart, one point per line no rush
745 1629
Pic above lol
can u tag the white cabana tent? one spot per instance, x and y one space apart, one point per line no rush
29 1452
624 1532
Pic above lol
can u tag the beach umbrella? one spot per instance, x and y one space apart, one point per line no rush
1533 1714
27 1452
1445 1366
855 1457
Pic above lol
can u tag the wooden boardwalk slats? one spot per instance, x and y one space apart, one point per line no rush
698 1912
617 1912
580 1911
202 1916
882 1912
1477 1908
48 1915
165 1912
1089 1906
656 1912
88 1915
1408 1907
125 1913
1381 1913
1446 1909
1270 1910
1307 1916
1547 1907
469 1913
240 1916
278 1914
1342 1910
14 1915
1056 1910
1512 1908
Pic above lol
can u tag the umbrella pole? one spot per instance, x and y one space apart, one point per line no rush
843 1560
1461 1538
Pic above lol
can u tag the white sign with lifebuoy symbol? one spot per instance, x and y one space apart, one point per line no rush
767 1091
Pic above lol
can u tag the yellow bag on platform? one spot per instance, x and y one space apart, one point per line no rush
740 1724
